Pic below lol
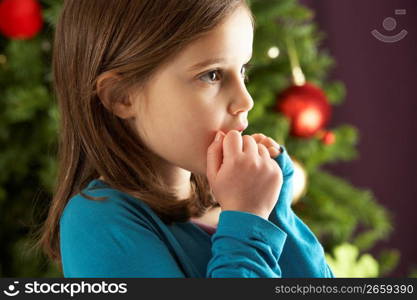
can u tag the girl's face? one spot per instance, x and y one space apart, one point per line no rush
188 101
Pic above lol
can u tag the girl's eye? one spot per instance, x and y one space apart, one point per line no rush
212 75
247 67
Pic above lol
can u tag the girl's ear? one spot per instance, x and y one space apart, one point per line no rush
120 105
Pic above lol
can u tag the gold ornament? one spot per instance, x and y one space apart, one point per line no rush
300 180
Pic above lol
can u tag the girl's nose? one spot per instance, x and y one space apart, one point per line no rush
242 101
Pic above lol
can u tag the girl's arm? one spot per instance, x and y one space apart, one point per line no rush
303 255
245 246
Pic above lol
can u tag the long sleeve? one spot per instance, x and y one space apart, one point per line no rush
303 255
245 246
110 239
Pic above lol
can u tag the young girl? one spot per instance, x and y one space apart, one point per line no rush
144 188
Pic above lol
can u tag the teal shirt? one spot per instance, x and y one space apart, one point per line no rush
123 237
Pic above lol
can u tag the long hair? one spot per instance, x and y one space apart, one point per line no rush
132 38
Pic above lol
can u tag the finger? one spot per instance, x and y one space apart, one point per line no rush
273 143
249 145
232 144
272 146
263 152
214 157
269 142
274 152
258 137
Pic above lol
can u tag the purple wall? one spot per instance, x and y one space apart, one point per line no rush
381 101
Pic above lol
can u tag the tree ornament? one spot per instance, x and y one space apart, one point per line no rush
345 262
307 108
305 104
327 137
20 19
300 180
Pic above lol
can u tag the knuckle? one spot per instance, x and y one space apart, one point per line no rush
278 173
251 163
273 167
237 161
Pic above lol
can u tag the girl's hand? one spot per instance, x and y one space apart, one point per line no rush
272 146
242 175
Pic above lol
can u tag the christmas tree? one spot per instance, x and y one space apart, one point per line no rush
293 100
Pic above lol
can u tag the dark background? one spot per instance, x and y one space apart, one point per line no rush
380 80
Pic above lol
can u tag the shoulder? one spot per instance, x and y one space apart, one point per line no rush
109 237
113 208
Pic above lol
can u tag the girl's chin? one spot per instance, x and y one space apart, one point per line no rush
199 170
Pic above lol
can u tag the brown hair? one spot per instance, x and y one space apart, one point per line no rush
132 38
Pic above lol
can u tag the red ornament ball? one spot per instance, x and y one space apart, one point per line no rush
328 138
307 107
20 19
